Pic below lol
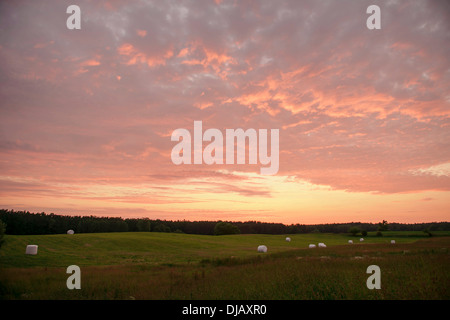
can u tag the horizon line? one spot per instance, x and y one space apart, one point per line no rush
219 220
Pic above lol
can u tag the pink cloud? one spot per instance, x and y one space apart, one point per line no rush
357 110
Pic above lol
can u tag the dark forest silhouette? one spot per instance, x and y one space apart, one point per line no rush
24 222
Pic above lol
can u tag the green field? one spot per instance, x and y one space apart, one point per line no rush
150 265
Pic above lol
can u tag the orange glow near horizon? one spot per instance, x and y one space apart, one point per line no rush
290 202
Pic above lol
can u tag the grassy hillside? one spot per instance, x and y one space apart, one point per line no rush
180 266
160 248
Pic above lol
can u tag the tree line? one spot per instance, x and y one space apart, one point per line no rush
24 222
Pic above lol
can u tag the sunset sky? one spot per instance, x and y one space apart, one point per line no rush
86 116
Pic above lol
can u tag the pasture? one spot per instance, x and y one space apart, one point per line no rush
150 265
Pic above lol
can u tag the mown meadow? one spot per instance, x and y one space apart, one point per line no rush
151 265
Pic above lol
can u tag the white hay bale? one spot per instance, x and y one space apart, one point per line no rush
393 241
350 241
262 249
312 245
70 232
362 239
31 249
322 245
288 239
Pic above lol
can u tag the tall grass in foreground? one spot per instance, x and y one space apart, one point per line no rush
416 270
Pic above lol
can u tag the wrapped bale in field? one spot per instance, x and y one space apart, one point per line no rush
31 249
70 232
262 249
